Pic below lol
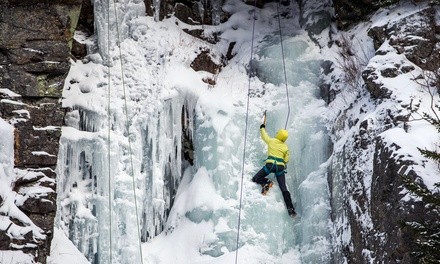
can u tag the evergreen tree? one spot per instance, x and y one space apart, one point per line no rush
427 231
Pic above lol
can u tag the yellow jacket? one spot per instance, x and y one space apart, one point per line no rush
277 150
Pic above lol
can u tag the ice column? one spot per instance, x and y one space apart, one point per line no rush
112 22
164 159
99 161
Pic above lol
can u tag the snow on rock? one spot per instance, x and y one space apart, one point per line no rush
376 138
15 224
32 76
16 257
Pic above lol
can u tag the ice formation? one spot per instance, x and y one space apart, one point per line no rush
145 135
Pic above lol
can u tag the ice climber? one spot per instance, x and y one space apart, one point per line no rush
278 156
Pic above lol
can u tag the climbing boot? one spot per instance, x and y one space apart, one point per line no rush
291 212
266 187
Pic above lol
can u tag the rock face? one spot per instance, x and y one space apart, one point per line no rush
192 12
369 198
418 43
315 15
36 37
198 13
349 12
390 209
406 37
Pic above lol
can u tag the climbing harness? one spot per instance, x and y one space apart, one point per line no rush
284 64
127 128
275 159
245 133
273 168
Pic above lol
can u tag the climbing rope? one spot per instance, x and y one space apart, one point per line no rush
245 131
284 64
108 137
128 132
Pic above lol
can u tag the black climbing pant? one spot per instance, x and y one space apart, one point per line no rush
260 178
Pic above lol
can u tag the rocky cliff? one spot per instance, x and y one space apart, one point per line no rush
370 202
36 38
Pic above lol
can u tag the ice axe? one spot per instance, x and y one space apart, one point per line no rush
264 117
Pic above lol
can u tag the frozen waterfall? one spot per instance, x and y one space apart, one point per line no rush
177 152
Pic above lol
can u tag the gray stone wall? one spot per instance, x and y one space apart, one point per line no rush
36 38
